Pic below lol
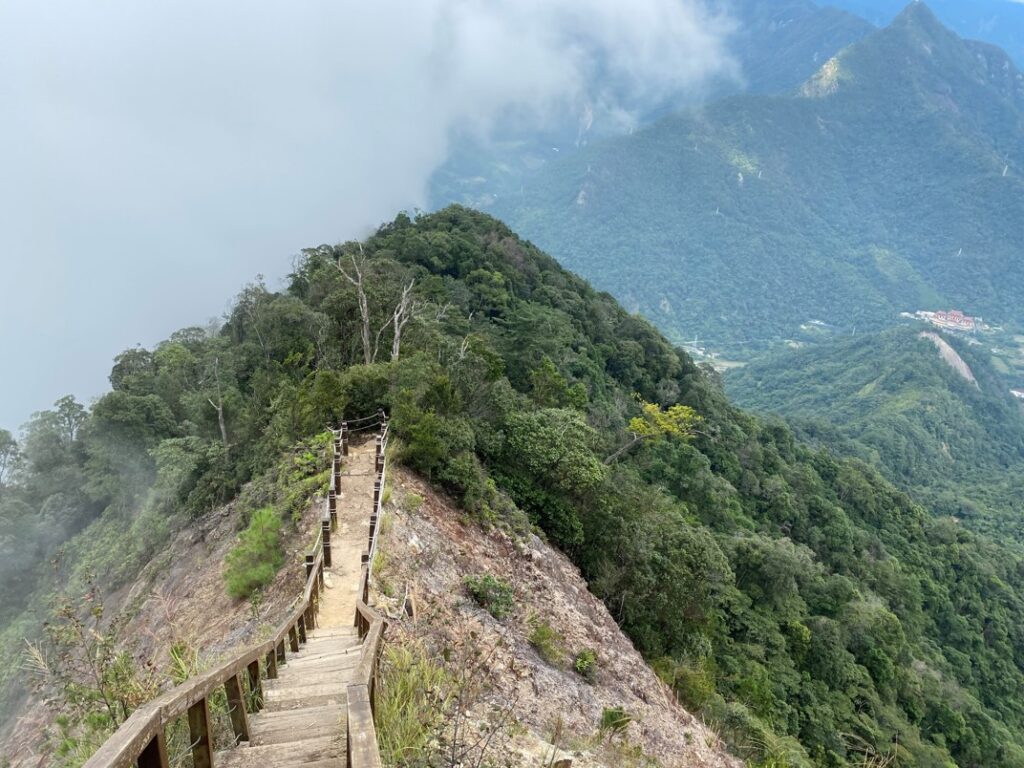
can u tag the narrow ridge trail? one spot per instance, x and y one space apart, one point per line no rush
302 722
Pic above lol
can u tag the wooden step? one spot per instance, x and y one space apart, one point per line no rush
318 655
324 752
321 632
299 696
297 725
327 646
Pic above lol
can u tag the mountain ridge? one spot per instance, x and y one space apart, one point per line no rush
744 220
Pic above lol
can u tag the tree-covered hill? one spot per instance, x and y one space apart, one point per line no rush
1000 22
892 180
891 400
799 602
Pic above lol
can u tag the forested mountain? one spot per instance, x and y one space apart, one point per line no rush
891 400
892 180
803 605
1000 22
776 46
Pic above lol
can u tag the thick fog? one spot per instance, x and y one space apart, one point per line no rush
156 156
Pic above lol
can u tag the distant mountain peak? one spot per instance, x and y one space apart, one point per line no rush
918 14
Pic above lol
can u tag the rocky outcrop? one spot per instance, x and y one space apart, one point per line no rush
950 356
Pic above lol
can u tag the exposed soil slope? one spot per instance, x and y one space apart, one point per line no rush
428 551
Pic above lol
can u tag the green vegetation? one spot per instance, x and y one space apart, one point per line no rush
614 721
807 604
413 697
547 642
492 593
893 181
585 664
255 561
890 400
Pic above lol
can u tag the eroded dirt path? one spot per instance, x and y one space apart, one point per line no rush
348 542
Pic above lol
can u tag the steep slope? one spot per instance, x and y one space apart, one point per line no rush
945 429
894 179
799 602
428 551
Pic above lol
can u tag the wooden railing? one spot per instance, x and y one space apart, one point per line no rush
362 691
142 738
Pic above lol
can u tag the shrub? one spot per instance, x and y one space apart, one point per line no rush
255 561
547 642
491 593
413 501
614 720
585 664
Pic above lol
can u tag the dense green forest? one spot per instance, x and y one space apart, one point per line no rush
800 602
892 401
892 180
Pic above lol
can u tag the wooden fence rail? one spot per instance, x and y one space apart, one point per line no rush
142 739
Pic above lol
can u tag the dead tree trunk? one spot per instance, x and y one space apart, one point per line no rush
404 312
219 405
364 309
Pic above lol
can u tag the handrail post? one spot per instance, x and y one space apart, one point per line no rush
255 685
332 507
293 639
272 665
199 734
326 529
236 708
154 755
344 438
302 628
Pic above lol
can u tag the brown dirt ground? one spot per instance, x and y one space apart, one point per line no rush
428 552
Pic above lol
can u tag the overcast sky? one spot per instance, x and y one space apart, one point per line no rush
158 155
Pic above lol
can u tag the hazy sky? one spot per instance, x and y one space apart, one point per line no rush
158 155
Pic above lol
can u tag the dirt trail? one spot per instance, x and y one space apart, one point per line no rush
355 502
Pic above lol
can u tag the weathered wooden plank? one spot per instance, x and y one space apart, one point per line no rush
236 708
368 658
199 734
362 736
255 685
122 748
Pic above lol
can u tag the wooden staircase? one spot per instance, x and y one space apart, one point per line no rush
302 722
304 697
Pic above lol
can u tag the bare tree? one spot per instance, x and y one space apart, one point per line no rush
356 278
405 311
219 405
9 455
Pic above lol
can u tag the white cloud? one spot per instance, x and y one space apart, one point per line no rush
157 155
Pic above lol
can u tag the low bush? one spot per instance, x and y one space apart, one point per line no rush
255 561
585 664
491 593
547 642
614 721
